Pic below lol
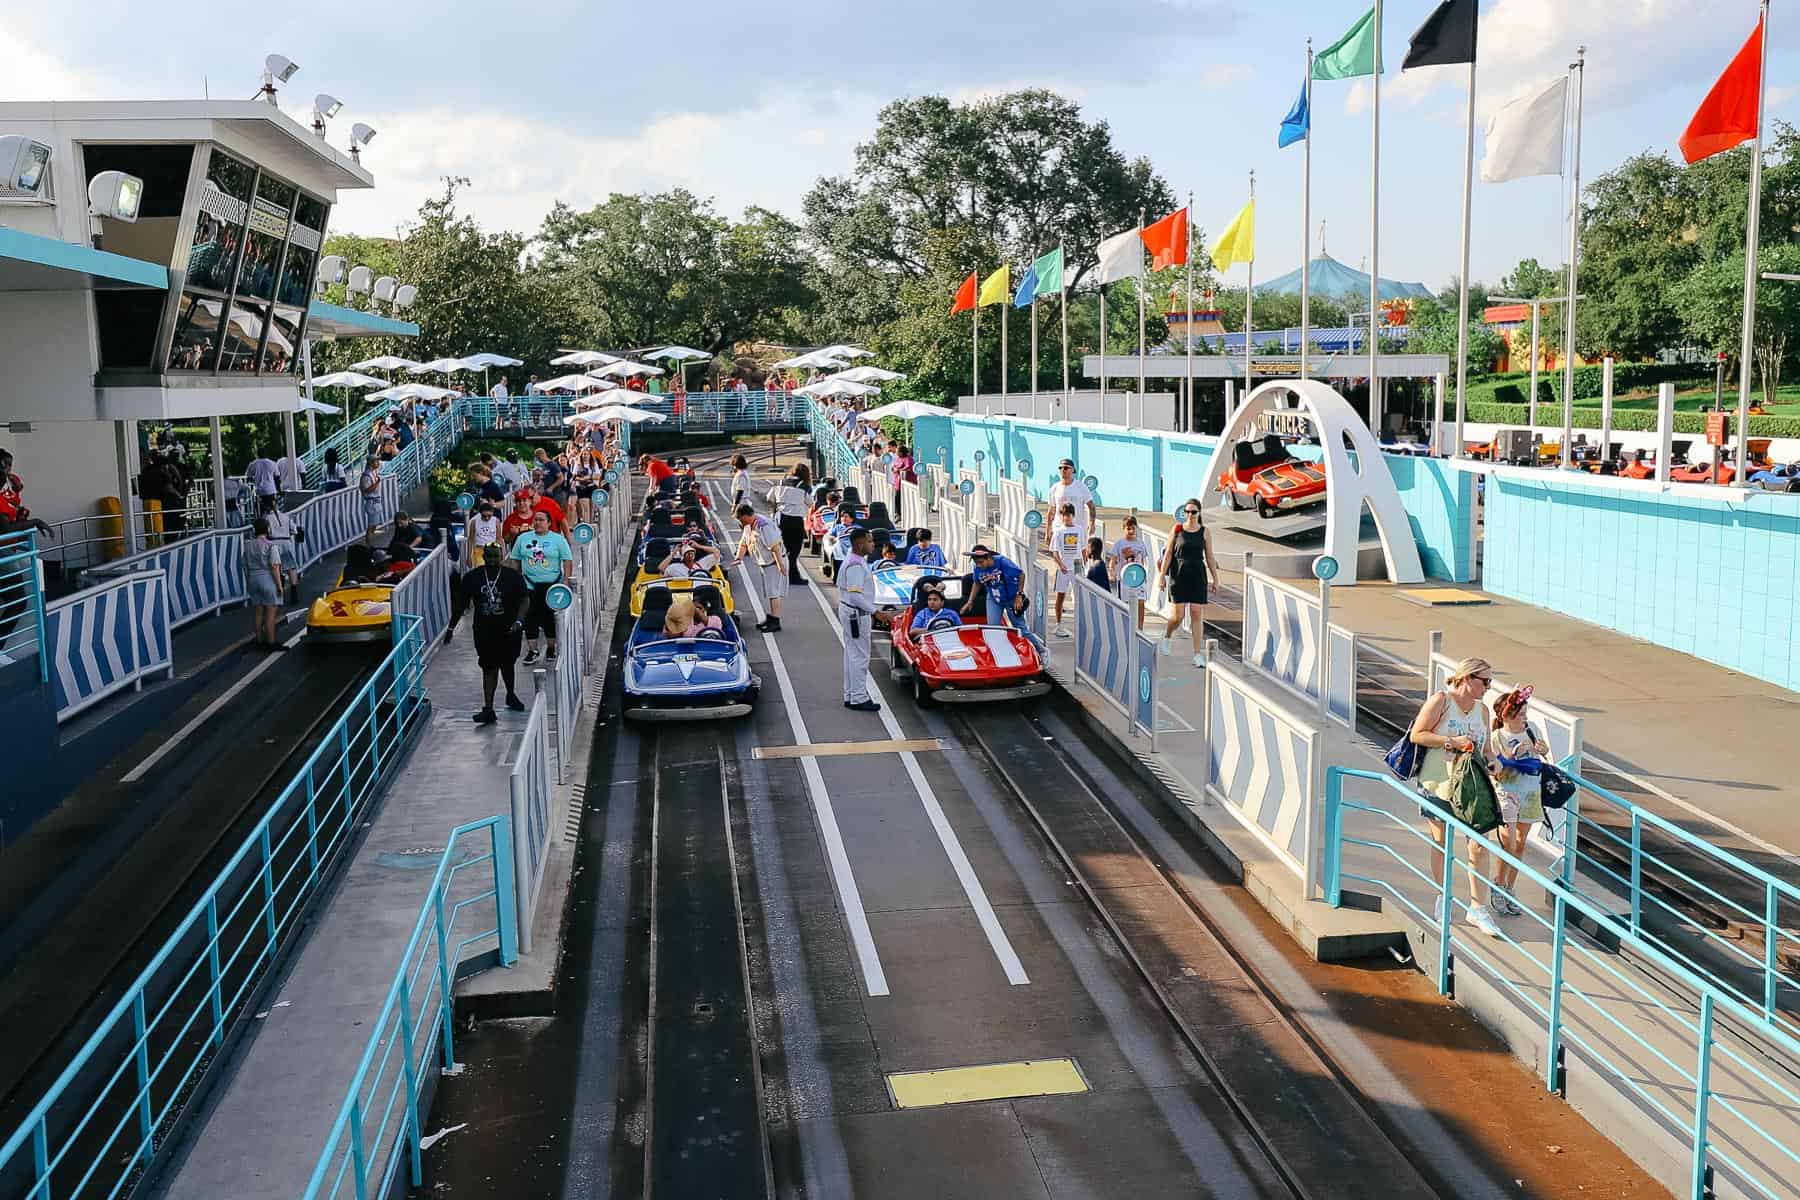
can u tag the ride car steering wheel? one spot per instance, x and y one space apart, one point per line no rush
938 623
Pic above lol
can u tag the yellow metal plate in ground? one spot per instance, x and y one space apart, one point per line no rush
1430 597
997 1081
836 749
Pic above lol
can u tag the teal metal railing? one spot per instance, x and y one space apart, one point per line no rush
1751 970
102 1119
837 460
350 440
1731 1098
22 600
378 1123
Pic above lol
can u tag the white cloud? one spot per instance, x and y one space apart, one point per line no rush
1402 90
1220 76
518 167
34 74
1779 96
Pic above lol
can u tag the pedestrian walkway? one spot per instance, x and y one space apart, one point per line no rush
1628 1027
263 1129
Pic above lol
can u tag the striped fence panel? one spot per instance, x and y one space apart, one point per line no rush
1104 635
330 520
955 533
912 507
1014 504
1037 616
107 638
425 593
1146 694
1283 640
1263 764
195 584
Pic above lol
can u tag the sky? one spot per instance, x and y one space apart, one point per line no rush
749 104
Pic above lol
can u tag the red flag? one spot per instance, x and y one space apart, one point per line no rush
1728 115
1167 240
965 295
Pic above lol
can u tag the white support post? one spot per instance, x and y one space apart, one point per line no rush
125 447
215 442
1437 416
1606 405
1324 650
1665 429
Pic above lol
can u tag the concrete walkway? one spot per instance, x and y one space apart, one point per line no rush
1631 1036
267 1120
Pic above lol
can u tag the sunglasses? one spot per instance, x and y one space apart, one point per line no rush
1192 512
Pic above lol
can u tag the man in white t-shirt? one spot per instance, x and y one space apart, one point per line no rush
1070 490
263 474
292 472
499 392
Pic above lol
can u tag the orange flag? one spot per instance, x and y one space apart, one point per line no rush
965 295
1167 240
1728 115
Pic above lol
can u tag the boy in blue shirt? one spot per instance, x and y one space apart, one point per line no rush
934 612
924 552
1001 584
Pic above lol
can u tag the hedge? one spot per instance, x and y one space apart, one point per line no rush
1589 382
1626 420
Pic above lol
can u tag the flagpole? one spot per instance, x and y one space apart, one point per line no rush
1462 300
1005 303
975 353
1190 318
1103 354
1568 405
1306 222
1752 252
1142 279
1063 296
1375 239
1249 298
1034 360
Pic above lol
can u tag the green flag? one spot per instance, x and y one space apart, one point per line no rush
1049 269
1352 55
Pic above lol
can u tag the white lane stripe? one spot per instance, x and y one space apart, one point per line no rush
959 861
849 896
206 714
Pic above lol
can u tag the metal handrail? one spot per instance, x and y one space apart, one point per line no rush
1713 1000
412 1020
22 599
146 1080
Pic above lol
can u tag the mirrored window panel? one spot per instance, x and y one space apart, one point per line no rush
196 343
242 337
281 350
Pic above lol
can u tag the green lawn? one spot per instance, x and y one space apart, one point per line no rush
1694 399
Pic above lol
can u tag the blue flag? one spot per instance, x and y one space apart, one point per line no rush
1027 288
1298 123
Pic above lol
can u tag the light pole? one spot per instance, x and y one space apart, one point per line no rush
1537 306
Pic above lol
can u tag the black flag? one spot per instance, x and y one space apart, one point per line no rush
1447 36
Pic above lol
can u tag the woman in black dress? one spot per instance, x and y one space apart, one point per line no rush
1188 566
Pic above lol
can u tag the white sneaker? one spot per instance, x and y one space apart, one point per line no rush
1200 660
1063 633
1164 647
1482 919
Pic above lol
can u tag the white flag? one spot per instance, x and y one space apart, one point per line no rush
1525 137
1121 257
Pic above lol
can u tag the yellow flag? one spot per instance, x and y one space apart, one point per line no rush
1238 243
996 288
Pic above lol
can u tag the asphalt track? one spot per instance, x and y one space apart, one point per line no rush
793 934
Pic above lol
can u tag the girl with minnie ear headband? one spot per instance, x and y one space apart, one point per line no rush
1518 789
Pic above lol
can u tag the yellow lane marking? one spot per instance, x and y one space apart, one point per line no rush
1431 596
997 1081
836 749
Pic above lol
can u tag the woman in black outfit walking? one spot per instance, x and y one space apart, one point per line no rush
1188 565
791 498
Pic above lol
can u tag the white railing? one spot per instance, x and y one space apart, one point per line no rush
534 816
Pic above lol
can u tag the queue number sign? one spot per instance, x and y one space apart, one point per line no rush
1718 428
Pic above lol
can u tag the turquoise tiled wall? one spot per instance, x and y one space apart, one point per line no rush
1156 472
1711 577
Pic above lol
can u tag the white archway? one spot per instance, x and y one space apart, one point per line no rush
1348 484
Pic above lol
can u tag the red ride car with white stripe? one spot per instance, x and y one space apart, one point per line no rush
963 663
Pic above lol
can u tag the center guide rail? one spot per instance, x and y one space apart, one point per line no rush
1279 1095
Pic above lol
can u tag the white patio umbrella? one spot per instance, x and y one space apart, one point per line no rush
845 350
868 375
624 369
818 360
440 366
615 395
348 379
616 412
316 406
837 387
905 410
481 362
412 391
572 383
681 356
583 358
384 362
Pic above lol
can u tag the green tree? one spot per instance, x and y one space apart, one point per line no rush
1711 302
1023 172
1434 332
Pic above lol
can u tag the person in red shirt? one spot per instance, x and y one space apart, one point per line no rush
655 469
559 520
518 520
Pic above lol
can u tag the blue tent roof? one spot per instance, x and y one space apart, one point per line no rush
1332 278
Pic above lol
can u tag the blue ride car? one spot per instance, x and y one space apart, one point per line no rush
705 677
